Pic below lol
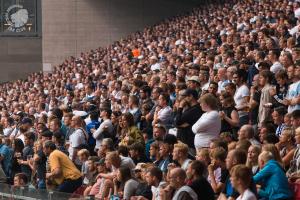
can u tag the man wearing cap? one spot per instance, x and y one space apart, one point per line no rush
188 112
154 63
46 135
194 83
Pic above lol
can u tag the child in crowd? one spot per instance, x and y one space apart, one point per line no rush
83 156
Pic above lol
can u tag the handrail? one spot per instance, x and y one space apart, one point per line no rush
30 193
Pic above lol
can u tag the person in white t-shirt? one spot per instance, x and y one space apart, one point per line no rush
208 125
241 96
273 56
240 177
77 138
163 113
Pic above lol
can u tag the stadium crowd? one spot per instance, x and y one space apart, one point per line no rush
205 106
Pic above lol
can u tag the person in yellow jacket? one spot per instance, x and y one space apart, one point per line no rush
62 171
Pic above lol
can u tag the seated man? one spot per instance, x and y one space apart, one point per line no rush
177 184
63 173
272 178
180 155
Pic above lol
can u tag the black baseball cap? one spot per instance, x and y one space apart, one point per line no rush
189 92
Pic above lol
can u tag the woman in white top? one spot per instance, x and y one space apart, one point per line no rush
208 126
240 177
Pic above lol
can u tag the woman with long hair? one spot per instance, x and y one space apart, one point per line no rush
124 184
252 158
131 134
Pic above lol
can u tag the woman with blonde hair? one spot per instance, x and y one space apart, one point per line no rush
286 146
252 158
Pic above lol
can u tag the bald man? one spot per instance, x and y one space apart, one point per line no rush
222 79
272 178
246 132
182 191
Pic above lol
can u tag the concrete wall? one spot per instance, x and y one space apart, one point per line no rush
74 26
69 27
19 56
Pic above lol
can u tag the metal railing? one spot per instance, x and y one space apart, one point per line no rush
8 192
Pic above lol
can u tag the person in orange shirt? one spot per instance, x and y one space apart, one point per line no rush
63 171
135 52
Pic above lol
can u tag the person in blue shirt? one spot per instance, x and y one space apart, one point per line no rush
5 157
94 124
272 178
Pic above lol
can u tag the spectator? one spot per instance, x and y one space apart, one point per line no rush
252 158
77 138
20 180
184 120
165 156
198 182
228 114
94 124
131 133
293 172
134 109
163 112
154 178
105 127
295 118
63 172
67 122
240 176
5 157
234 157
137 153
272 178
217 166
278 118
209 124
247 132
177 181
83 156
180 155
286 146
241 96
124 185
27 154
